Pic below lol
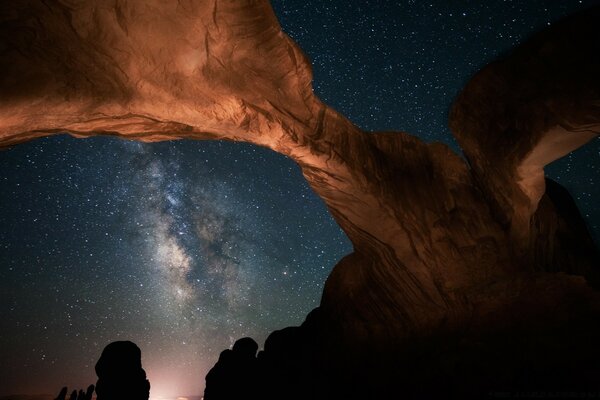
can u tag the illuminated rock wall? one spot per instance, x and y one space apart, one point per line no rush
438 242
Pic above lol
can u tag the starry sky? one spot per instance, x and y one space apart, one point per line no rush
184 247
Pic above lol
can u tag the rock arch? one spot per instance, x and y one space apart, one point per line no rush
438 243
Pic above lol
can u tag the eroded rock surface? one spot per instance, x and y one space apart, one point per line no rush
527 109
442 248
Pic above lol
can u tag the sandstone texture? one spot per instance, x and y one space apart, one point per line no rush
455 263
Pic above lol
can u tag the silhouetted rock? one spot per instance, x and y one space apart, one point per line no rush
551 354
81 395
234 375
245 348
62 394
120 373
87 395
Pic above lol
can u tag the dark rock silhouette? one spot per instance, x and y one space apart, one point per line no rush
295 364
75 395
234 376
120 373
549 355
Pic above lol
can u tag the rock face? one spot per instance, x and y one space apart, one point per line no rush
448 256
524 111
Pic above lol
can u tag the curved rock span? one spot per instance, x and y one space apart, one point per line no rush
448 255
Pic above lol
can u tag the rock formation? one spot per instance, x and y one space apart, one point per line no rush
447 254
75 395
234 376
120 373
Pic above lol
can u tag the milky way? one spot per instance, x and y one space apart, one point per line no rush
183 247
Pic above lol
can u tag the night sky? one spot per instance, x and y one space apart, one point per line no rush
184 247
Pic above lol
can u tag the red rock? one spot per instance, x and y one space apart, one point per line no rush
439 245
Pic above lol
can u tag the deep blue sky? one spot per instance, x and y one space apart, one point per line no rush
184 247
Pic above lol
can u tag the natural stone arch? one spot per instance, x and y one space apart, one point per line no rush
433 236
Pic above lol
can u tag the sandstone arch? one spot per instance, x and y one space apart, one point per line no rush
438 242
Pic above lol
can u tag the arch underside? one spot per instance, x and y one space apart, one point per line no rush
432 235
